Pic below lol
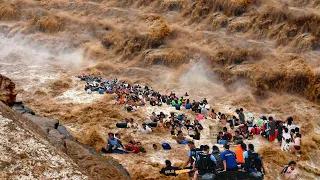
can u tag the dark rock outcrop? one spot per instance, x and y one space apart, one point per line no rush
7 91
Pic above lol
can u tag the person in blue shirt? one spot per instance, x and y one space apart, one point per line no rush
191 155
188 105
101 91
229 159
113 145
253 163
177 106
205 163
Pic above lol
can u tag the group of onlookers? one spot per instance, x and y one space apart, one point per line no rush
233 130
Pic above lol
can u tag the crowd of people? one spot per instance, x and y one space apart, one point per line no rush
233 130
243 162
217 163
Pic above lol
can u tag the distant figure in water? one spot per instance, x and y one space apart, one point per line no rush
145 129
180 138
154 146
290 171
112 145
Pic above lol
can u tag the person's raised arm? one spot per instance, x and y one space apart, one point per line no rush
186 163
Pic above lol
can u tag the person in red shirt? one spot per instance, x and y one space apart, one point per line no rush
255 130
132 147
226 135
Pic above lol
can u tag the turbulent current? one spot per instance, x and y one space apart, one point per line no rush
262 56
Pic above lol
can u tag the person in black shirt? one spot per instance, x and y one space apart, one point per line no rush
188 125
169 170
220 137
198 125
280 132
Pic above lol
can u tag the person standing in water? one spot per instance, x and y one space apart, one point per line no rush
272 129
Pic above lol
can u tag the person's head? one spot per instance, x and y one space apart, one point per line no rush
286 130
237 111
191 144
223 116
225 129
292 131
168 163
226 146
234 117
144 125
297 130
180 133
220 134
292 164
243 146
237 133
154 146
215 148
287 141
232 126
196 121
290 120
117 135
298 135
131 143
241 109
111 135
131 120
188 122
206 148
239 142
212 110
251 147
172 132
270 118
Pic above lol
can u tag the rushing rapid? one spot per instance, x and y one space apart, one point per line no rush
259 55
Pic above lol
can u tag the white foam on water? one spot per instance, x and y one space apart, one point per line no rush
30 65
78 96
317 130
